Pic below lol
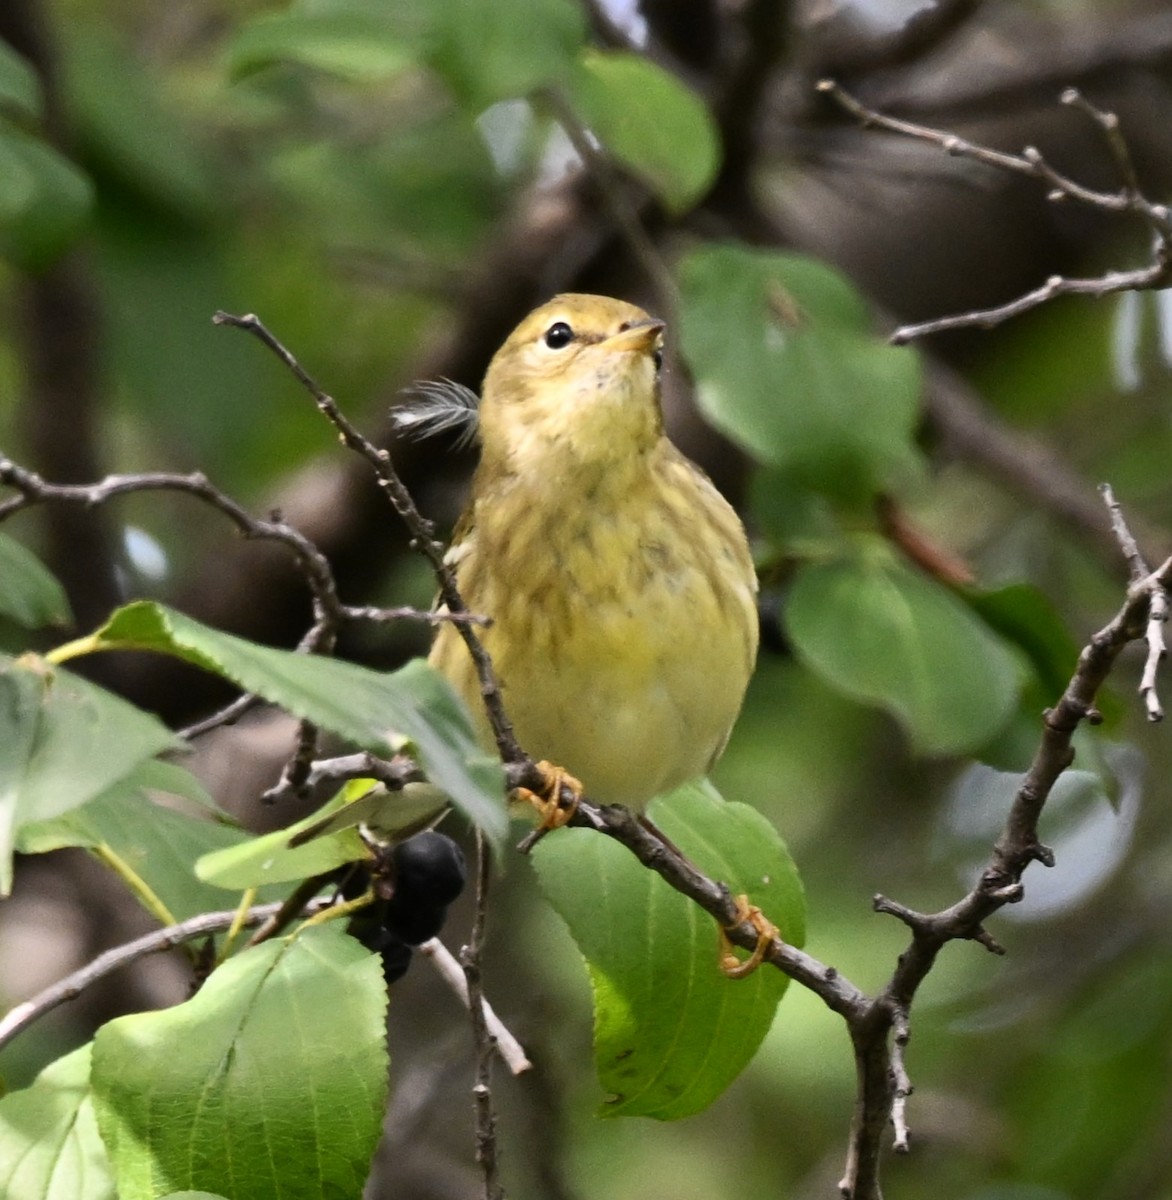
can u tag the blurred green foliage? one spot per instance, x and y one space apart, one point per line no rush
342 168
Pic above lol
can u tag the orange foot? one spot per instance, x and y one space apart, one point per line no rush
554 814
732 966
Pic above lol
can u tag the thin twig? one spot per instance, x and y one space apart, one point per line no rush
73 985
900 1036
1137 565
1108 122
420 529
286 912
619 823
228 715
32 489
1157 618
486 1145
1157 608
449 970
328 611
1031 162
392 773
370 612
1156 275
617 202
295 773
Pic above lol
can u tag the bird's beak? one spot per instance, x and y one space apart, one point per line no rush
639 335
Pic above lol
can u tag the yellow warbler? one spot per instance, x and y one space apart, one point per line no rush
618 579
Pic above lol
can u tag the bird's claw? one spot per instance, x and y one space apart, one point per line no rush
730 965
548 800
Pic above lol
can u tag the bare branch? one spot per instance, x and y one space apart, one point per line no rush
1157 618
295 773
449 970
623 212
1157 608
1108 122
714 897
901 1034
1155 275
421 530
73 985
369 612
329 612
32 489
881 1072
1031 162
1136 563
392 773
486 1147
228 715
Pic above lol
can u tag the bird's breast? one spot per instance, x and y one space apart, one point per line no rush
624 623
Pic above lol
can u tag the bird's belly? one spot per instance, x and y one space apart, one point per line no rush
623 634
633 696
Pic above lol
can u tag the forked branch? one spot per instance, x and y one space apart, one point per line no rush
1128 200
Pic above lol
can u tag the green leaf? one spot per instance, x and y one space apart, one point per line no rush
650 121
49 1143
1024 615
270 1082
270 859
20 91
158 844
786 365
44 200
29 592
177 780
671 1032
136 139
792 517
889 636
63 742
361 46
490 52
371 708
427 190
325 839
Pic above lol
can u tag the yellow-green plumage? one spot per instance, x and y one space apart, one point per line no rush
618 579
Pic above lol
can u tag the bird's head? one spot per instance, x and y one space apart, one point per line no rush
580 373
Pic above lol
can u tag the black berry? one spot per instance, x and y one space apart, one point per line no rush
429 870
396 958
413 923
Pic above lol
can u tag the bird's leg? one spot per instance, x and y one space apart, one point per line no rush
548 800
732 966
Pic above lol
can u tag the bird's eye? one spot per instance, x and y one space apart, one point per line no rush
558 335
657 357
